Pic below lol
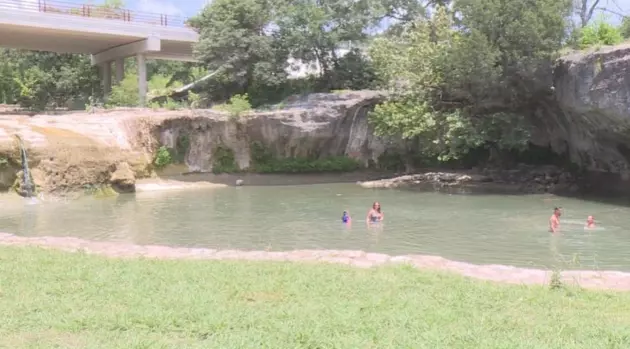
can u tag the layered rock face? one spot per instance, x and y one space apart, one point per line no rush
587 113
317 125
80 150
68 152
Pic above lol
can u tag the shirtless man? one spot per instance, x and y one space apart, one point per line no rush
590 222
554 221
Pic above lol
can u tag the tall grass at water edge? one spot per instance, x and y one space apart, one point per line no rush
53 299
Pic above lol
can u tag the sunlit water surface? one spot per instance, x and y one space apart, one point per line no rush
483 229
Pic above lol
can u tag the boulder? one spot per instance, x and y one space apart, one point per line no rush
123 179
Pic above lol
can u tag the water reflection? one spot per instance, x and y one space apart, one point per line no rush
476 228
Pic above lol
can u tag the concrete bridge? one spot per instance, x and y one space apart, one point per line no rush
108 34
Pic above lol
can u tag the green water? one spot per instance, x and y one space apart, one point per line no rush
501 229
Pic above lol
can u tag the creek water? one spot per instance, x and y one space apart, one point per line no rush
484 229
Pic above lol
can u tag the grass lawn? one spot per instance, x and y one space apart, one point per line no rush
53 299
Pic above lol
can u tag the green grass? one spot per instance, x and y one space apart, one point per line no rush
60 300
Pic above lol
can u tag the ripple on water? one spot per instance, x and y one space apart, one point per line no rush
485 229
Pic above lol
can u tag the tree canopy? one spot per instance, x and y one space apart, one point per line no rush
460 76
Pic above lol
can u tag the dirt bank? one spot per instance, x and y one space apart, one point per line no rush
612 280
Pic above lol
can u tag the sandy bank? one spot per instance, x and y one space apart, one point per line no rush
611 280
153 185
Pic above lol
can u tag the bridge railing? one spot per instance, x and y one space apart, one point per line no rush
93 11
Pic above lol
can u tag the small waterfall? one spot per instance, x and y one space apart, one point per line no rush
358 137
28 184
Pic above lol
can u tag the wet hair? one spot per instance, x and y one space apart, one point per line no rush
557 209
374 206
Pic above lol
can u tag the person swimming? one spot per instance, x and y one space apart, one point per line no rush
375 214
554 220
345 218
590 222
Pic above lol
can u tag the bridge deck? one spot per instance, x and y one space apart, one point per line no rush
64 31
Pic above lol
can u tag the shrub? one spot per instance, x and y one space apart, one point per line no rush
194 100
599 32
223 161
236 106
264 162
124 94
162 157
306 165
171 104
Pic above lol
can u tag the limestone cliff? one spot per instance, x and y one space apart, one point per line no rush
587 113
80 150
317 125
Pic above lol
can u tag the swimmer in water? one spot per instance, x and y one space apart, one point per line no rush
345 218
374 214
554 221
590 222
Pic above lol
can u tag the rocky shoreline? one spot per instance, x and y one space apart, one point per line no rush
522 179
607 280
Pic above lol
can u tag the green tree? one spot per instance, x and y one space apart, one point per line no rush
314 30
9 89
251 42
460 78
38 80
237 37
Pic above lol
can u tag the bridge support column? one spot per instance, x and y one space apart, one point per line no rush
120 70
106 71
142 78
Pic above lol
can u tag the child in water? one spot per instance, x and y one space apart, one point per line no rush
590 222
345 218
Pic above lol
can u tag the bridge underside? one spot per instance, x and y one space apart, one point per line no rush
106 40
65 41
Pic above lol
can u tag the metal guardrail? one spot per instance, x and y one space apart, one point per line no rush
94 11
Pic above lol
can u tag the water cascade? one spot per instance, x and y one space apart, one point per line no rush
28 185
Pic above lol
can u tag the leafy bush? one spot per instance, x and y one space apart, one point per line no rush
125 94
236 106
194 100
259 154
223 161
177 155
264 162
306 165
171 104
162 157
4 162
599 32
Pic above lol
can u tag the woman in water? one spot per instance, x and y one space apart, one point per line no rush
374 214
590 222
